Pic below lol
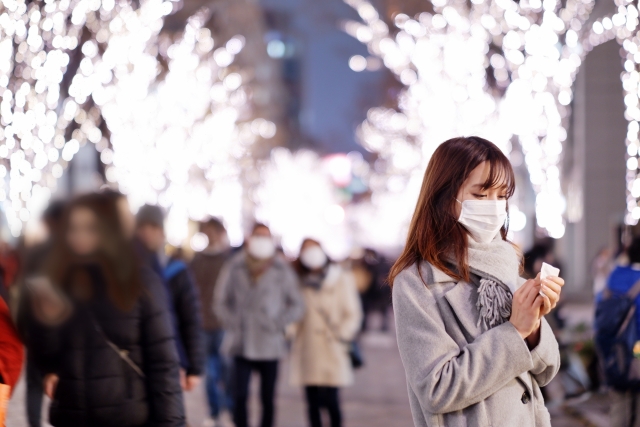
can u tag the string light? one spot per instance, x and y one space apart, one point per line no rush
178 139
298 198
46 114
499 69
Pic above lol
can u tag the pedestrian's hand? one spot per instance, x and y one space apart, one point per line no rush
49 384
183 379
526 308
192 382
551 287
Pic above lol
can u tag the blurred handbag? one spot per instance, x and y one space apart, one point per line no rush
355 354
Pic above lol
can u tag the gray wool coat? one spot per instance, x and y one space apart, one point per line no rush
255 315
457 375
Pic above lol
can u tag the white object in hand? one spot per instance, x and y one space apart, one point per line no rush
547 271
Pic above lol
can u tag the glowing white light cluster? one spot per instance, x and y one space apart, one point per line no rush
298 199
623 26
45 116
177 135
499 69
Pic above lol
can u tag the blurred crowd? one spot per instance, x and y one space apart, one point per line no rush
117 325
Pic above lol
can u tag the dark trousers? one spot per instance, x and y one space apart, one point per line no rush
218 370
268 371
323 398
34 394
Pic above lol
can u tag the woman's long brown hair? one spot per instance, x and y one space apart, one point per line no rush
116 257
435 235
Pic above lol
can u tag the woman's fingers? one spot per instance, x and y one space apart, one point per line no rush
547 305
530 298
553 289
557 280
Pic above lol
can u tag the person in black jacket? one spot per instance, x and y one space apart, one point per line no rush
99 328
183 296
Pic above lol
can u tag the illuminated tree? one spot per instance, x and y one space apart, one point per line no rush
500 69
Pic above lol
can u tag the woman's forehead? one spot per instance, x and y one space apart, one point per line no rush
483 177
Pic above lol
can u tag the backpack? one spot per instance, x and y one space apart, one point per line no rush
615 337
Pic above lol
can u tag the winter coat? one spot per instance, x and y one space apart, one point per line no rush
96 387
186 304
11 349
151 261
320 353
206 270
255 315
457 375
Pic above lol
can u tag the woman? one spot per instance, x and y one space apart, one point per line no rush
319 359
99 328
257 299
472 336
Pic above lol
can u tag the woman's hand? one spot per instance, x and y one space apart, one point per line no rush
49 384
526 307
551 287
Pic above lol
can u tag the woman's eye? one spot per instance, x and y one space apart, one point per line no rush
502 197
479 196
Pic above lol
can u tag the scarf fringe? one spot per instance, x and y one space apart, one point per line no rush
494 303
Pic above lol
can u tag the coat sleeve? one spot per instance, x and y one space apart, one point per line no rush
351 309
160 364
545 356
444 377
294 302
187 305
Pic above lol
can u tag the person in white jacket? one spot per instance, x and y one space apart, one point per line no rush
320 359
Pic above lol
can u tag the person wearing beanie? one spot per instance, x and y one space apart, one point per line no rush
182 294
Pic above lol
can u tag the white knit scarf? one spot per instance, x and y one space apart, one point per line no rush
497 263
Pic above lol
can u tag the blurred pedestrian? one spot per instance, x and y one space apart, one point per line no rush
377 297
624 279
320 359
183 296
11 349
472 337
206 266
99 329
259 297
34 264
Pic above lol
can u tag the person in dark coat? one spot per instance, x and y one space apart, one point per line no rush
206 266
99 328
183 296
150 260
34 262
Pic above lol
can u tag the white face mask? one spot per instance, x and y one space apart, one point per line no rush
313 257
483 218
261 247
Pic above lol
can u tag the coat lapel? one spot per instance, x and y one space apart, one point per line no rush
462 299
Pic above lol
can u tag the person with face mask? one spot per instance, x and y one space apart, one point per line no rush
320 359
258 297
472 336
